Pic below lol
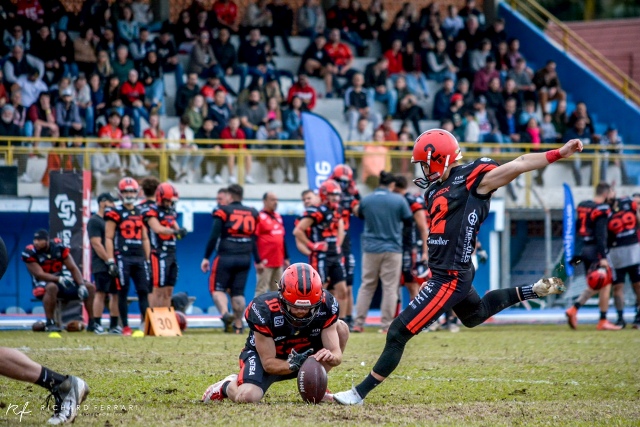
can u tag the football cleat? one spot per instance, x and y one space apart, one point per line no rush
350 397
605 325
572 317
214 391
328 397
621 322
549 286
68 396
126 331
52 326
96 329
357 329
116 331
227 321
453 327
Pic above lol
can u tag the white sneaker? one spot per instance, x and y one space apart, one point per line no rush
350 397
218 179
25 178
249 179
549 286
233 180
454 328
68 397
207 179
214 391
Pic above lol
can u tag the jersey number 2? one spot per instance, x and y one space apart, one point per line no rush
438 211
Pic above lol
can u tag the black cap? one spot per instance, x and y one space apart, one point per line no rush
106 197
41 234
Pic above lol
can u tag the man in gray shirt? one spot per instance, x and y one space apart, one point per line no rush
384 214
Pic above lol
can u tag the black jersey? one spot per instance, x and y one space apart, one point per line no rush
623 223
410 232
51 260
238 228
129 226
325 226
264 316
161 243
348 200
455 211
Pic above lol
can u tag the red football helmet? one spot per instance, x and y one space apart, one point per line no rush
330 188
598 277
128 184
437 149
166 191
343 174
300 287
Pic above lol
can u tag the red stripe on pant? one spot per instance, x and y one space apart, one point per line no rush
155 270
241 374
212 276
434 306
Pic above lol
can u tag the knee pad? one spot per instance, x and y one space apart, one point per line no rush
398 333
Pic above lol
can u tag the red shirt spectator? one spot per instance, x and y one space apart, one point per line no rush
131 92
227 133
226 11
30 9
339 53
208 91
109 132
152 135
304 91
270 239
395 62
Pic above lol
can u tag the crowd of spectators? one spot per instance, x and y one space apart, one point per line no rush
68 75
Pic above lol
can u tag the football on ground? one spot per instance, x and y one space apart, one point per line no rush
312 381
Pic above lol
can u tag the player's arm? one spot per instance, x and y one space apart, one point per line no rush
300 233
330 353
421 224
216 231
158 228
340 234
98 247
266 348
146 245
73 268
39 274
109 235
504 174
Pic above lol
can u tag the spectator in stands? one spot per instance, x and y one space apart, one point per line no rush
522 76
186 92
153 134
532 129
415 69
180 138
227 57
112 129
455 113
374 159
68 115
508 121
143 15
168 55
469 11
399 30
233 131
581 112
514 52
471 33
471 128
358 24
128 29
316 62
103 66
84 51
43 117
460 60
361 133
578 131
253 114
32 86
548 85
408 108
207 132
497 33
377 18
203 22
442 100
489 129
510 90
106 164
495 100
357 104
293 118
478 57
483 77
390 135
256 16
20 113
4 95
272 131
17 36
440 65
219 111
282 17
226 12
108 43
141 46
560 118
394 57
43 48
210 88
19 64
197 112
112 96
151 77
7 126
375 80
64 52
310 19
548 129
122 65
96 93
304 91
202 60
253 52
133 97
340 55
503 63
611 143
528 112
182 34
273 110
453 23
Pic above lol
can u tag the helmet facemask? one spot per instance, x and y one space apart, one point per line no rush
299 322
129 196
429 178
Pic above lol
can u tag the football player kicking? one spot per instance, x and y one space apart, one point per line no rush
298 321
458 198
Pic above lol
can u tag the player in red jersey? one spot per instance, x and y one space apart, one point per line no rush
319 235
591 233
458 198
297 321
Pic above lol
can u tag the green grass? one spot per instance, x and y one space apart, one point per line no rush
488 376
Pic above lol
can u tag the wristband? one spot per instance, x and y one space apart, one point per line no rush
110 260
553 156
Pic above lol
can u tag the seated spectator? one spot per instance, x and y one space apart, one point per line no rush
20 64
112 96
377 19
533 130
44 48
510 90
109 43
210 88
141 46
203 138
440 66
375 80
106 164
272 89
304 91
226 13
153 134
578 131
357 104
452 23
43 117
484 76
548 130
340 55
133 163
182 33
168 55
310 19
252 114
233 132
20 114
17 36
122 65
273 132
256 16
581 112
202 60
442 100
503 63
219 111
143 15
68 115
408 109
548 85
128 29
393 56
96 93
489 129
471 33
185 161
471 127
282 17
514 52
399 30
64 51
390 135
316 62
463 88
361 133
528 112
293 118
32 86
253 52
227 57
358 25
455 113
152 78
186 92
495 100
197 112
469 11
203 22
611 143
273 110
415 70
112 130
560 118
103 66
496 33
522 76
7 126
84 51
478 57
508 121
133 97
460 60
56 160
374 159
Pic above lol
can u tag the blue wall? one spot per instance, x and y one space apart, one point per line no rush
18 228
608 104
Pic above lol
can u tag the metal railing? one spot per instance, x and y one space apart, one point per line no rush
573 43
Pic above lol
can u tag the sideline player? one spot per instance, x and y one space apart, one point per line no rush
319 234
624 252
458 198
128 250
298 321
104 282
44 259
233 236
149 185
343 175
591 233
162 221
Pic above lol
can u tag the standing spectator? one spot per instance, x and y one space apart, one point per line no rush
375 80
384 214
310 19
168 55
226 13
316 62
233 131
84 51
20 64
128 29
151 77
68 115
440 65
303 90
227 57
133 96
180 138
282 16
453 23
358 104
186 92
270 242
548 85
141 46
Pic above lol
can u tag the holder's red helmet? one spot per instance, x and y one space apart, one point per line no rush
166 191
598 277
329 188
128 184
300 287
437 149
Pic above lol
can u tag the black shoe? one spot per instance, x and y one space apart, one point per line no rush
238 331
227 320
51 326
621 323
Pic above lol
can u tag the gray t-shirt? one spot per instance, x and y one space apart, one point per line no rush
254 115
383 213
95 228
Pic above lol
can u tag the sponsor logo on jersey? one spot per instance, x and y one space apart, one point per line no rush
316 332
276 339
442 191
252 365
485 159
438 242
473 217
257 313
467 250
334 306
458 180
278 321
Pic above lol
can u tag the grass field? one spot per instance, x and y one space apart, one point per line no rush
488 376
